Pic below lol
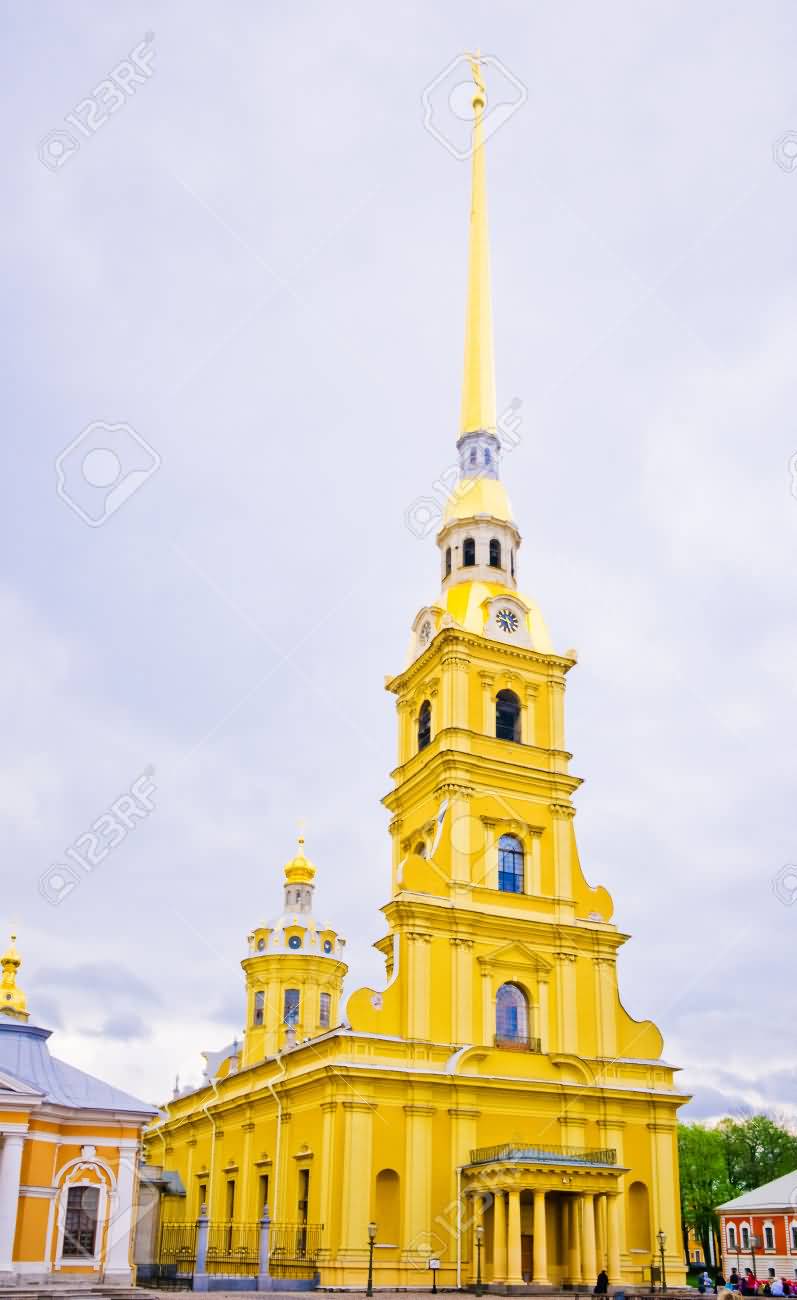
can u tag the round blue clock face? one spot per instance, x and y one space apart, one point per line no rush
507 620
294 941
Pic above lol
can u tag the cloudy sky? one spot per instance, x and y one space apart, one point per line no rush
250 260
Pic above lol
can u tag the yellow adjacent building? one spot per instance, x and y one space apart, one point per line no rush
492 1107
69 1155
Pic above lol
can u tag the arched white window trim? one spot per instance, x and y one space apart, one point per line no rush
106 1186
730 1230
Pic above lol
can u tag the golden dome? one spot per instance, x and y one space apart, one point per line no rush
299 871
12 1000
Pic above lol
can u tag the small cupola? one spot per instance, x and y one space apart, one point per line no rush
294 970
13 1002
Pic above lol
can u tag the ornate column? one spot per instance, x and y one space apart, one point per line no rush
664 1163
10 1164
514 1262
543 1015
454 684
567 1027
419 990
462 990
326 1173
434 700
529 722
466 861
404 709
488 870
246 1166
556 712
605 1006
589 1268
417 1198
355 1192
488 703
488 1008
540 1240
120 1226
611 1131
499 1238
613 1267
534 882
562 814
573 1241
600 1229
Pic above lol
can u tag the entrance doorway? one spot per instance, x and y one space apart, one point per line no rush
527 1256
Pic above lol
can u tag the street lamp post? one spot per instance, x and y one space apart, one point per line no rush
755 1242
661 1238
369 1290
479 1238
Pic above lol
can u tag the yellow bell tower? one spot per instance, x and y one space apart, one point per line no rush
294 971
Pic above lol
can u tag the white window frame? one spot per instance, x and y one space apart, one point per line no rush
730 1231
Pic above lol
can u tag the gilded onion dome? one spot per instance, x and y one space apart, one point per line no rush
13 1002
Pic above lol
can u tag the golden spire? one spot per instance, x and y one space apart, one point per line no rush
478 390
13 1002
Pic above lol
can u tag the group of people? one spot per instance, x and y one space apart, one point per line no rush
748 1284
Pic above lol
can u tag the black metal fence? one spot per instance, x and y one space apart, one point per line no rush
174 1266
544 1153
294 1249
233 1249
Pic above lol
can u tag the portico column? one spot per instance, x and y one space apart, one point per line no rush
10 1164
613 1239
540 1240
573 1241
499 1238
514 1265
117 1250
588 1266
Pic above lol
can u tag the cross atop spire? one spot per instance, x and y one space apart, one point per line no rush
478 389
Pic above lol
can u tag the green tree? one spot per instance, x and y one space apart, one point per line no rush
704 1181
756 1149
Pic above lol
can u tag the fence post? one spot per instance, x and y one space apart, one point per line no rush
200 1266
264 1279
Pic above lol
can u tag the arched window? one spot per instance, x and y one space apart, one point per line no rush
731 1236
387 1207
511 1015
510 865
424 725
488 460
420 849
290 1007
260 1000
638 1217
507 716
473 455
745 1237
448 560
512 562
769 1237
468 552
495 553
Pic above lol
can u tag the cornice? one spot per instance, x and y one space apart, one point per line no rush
450 637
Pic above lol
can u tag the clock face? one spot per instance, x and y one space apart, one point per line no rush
294 941
425 634
507 620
